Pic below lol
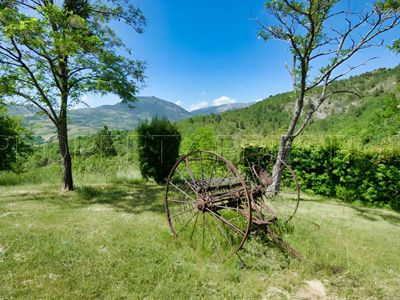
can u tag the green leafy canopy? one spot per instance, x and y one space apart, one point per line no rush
50 50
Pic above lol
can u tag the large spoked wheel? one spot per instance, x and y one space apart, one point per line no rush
207 203
281 203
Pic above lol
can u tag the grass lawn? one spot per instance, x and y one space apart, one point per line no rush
112 241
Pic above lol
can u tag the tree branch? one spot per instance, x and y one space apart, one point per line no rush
33 77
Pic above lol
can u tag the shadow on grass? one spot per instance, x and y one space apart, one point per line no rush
131 198
375 215
369 212
135 198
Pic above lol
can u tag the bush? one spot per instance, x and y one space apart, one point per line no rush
14 141
351 175
158 146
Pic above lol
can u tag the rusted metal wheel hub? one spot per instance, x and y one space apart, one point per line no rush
202 203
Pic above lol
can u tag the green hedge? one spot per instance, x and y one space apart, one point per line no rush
351 175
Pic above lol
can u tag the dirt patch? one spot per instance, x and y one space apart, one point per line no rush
312 290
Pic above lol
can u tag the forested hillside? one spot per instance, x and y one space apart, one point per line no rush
371 117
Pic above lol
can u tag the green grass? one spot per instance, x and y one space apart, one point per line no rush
112 241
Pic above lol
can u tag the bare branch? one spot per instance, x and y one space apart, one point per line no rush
27 97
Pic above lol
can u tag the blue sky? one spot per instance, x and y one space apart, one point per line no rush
207 52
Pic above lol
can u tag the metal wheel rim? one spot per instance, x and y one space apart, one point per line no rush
237 173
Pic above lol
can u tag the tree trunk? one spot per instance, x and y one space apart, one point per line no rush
284 149
65 155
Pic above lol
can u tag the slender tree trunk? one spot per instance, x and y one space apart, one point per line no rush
62 126
286 142
68 184
285 146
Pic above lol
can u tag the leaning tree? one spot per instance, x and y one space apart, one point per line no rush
320 32
54 52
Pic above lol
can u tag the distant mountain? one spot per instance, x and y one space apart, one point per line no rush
219 109
121 116
118 116
127 116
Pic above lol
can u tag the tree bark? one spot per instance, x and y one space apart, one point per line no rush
285 146
68 184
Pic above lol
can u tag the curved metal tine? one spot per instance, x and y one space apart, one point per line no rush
213 239
248 165
182 191
186 224
265 208
283 209
194 226
226 222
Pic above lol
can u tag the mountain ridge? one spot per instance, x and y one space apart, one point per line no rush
121 116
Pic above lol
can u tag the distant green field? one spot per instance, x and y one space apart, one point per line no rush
112 241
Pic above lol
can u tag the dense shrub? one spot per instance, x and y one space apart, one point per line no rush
14 140
370 177
158 146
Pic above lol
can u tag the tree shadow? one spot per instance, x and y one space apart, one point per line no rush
376 214
131 198
135 198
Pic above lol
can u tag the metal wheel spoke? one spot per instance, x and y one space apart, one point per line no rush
184 226
203 229
181 191
226 221
183 212
194 226
222 231
189 171
213 239
179 201
187 182
201 166
212 172
208 184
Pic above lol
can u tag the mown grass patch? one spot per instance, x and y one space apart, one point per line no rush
112 241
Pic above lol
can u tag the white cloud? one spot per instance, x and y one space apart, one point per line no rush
198 105
258 100
179 102
223 100
203 93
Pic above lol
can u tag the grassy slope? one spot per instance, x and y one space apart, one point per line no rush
111 241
